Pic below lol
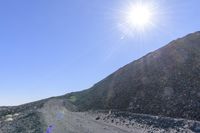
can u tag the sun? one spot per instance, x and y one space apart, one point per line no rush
137 18
139 15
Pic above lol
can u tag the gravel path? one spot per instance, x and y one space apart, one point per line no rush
64 121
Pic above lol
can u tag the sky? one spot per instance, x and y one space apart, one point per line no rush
53 47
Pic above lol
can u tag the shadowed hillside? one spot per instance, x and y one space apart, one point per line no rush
165 82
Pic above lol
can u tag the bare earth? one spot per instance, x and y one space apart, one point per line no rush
64 121
55 112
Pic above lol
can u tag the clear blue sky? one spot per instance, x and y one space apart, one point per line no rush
52 47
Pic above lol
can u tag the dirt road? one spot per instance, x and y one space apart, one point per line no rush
64 121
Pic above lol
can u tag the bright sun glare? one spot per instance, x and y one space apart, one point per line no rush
138 18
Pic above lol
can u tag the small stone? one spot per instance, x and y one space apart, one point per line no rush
97 118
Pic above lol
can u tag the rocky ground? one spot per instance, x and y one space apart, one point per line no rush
146 123
36 119
21 119
65 121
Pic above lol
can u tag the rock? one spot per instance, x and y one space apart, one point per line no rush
97 118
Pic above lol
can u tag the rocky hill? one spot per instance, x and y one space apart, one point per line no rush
142 96
165 82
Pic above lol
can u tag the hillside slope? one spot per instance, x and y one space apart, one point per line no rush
165 82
